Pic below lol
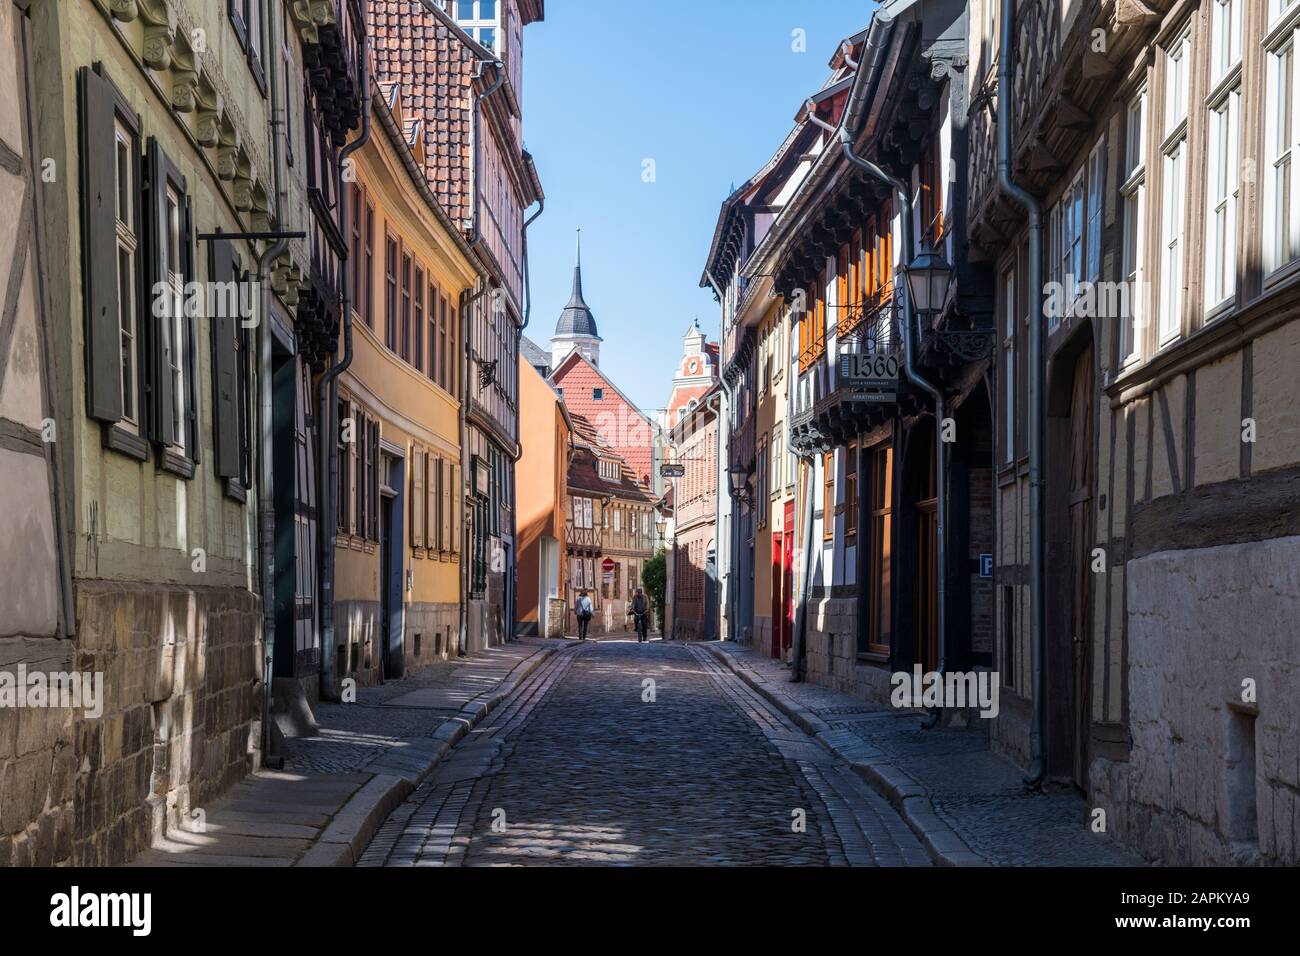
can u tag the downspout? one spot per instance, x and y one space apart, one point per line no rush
729 394
1037 513
327 430
467 302
913 375
514 511
265 400
265 490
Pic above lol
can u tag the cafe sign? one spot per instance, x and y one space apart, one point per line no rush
870 377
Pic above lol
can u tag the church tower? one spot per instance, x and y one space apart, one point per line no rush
576 330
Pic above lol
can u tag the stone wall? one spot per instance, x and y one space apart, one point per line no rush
1212 777
357 632
833 652
183 695
38 764
432 635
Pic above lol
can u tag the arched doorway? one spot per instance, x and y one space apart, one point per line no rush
1071 523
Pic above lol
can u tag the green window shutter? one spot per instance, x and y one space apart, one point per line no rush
225 363
99 248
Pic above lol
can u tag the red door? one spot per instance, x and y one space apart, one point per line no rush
778 594
787 580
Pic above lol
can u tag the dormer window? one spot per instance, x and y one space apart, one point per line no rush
609 470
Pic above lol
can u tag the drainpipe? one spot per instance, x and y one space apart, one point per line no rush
729 394
909 356
265 490
327 430
466 304
1037 512
265 496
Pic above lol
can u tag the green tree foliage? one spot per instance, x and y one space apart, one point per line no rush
654 578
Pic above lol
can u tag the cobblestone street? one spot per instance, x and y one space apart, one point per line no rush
624 754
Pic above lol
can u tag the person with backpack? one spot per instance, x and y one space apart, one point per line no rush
585 611
641 613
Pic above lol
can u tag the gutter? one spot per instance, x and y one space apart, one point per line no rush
1037 499
328 428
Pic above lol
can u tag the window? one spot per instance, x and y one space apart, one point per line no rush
434 352
1095 206
479 19
1071 245
851 492
1224 188
761 491
174 337
828 499
356 250
249 20
171 382
1173 194
1281 222
127 263
598 394
343 516
932 190
417 349
369 300
778 458
1134 198
1009 311
405 343
390 302
875 637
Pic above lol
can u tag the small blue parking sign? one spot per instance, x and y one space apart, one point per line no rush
986 565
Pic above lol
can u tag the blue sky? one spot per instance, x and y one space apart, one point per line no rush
708 90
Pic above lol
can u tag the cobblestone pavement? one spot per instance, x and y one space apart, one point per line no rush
353 736
978 793
581 767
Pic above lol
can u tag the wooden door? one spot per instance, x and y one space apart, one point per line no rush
1081 542
927 584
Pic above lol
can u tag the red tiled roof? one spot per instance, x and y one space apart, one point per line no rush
435 67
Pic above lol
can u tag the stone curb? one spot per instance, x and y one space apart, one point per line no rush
906 794
355 825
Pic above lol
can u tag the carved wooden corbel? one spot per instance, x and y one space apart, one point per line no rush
124 10
260 212
185 79
159 33
207 127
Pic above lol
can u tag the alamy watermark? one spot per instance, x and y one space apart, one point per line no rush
955 690
24 689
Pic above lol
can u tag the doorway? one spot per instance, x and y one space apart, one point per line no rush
1081 542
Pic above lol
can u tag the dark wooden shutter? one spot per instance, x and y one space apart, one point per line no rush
99 248
190 262
375 462
159 386
225 365
417 497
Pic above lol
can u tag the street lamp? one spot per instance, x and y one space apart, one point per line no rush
927 281
739 476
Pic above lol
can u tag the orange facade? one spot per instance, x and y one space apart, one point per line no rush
541 477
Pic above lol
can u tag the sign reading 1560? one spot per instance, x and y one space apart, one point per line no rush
857 368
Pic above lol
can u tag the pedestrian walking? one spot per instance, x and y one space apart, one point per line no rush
641 614
584 610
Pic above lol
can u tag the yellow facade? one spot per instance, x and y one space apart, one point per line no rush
400 459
